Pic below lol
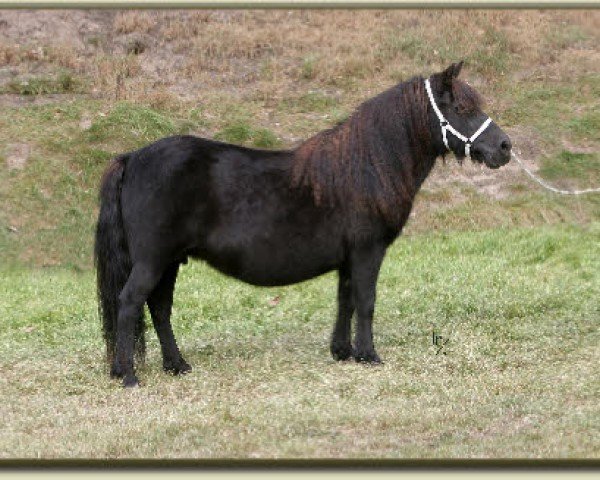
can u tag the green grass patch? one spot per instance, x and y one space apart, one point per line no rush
518 307
392 45
63 83
581 166
529 205
492 55
309 102
52 202
239 131
142 123
586 125
539 105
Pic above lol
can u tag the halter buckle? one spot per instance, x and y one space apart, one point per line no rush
468 149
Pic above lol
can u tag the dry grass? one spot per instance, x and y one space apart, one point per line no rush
333 48
133 21
113 76
10 54
199 53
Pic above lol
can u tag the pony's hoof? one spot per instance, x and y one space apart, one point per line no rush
130 381
180 367
341 352
368 358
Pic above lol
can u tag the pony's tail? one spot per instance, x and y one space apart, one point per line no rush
112 260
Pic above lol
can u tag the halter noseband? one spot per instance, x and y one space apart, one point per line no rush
445 125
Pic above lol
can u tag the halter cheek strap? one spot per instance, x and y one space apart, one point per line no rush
445 126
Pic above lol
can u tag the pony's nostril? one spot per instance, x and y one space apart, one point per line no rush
506 145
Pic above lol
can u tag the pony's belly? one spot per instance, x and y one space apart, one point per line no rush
272 272
272 263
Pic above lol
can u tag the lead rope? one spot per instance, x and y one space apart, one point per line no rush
550 187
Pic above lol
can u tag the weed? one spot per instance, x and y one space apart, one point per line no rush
309 68
238 131
265 138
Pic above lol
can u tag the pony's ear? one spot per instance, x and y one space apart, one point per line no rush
451 73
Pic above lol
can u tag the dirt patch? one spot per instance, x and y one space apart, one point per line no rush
583 147
85 123
54 27
17 155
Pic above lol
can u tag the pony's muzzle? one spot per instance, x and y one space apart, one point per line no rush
493 157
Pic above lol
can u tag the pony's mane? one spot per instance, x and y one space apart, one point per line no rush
375 158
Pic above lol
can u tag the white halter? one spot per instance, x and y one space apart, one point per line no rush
446 126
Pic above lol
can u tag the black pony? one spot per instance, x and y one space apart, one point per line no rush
336 202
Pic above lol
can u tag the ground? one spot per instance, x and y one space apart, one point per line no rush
502 269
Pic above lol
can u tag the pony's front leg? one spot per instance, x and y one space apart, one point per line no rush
341 347
365 262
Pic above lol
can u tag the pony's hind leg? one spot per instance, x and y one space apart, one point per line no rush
140 283
160 303
341 346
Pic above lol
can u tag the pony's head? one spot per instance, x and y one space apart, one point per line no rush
458 124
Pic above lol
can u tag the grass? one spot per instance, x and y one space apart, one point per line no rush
240 131
144 123
63 83
583 166
566 37
540 103
519 308
586 125
53 200
309 102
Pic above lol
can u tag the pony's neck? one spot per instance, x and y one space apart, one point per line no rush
412 137
377 159
423 169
